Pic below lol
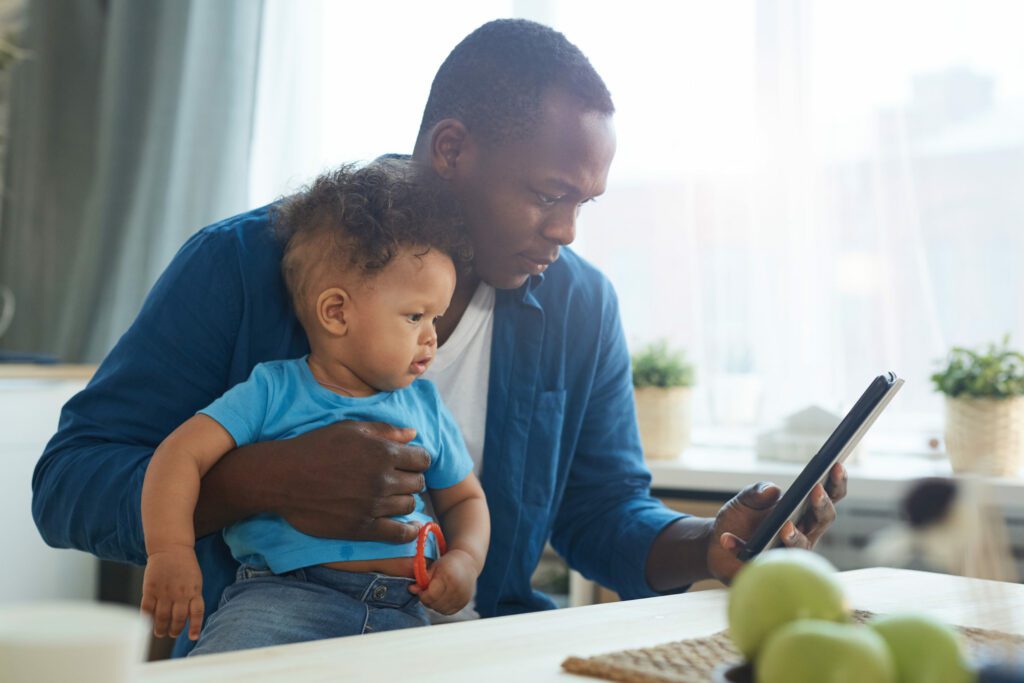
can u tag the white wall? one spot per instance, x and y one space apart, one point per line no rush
29 569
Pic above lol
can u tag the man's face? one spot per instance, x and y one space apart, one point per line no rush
521 198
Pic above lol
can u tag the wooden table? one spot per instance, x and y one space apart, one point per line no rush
531 647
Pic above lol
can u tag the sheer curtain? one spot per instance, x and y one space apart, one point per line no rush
130 129
823 191
805 194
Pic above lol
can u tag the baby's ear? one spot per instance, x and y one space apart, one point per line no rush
334 310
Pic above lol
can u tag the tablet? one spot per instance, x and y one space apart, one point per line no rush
836 448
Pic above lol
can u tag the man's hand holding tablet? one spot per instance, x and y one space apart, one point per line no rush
760 516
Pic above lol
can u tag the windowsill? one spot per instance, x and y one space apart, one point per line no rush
716 465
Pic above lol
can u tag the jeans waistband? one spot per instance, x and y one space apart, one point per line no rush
368 587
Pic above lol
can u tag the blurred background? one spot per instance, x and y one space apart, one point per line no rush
805 193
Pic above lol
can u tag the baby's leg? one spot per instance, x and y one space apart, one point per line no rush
261 609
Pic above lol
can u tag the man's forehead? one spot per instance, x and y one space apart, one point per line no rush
572 148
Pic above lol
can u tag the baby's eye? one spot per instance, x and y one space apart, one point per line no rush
436 318
415 317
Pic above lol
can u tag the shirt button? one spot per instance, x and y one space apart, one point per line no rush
379 592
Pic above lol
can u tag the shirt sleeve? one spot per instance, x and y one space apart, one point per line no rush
173 360
608 519
242 411
452 462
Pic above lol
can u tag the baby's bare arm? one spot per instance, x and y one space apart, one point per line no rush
467 529
173 583
465 519
171 487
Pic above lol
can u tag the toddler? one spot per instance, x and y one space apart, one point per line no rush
370 263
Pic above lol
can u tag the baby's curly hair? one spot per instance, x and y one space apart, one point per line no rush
357 218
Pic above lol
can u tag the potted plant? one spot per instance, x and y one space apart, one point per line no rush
984 409
662 378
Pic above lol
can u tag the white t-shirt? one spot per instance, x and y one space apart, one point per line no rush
462 370
462 373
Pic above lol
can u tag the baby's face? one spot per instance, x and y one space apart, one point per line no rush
392 337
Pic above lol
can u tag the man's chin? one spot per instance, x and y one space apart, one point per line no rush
504 280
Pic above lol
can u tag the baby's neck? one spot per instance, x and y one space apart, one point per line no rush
337 377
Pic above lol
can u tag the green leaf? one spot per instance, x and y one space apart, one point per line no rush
993 372
656 365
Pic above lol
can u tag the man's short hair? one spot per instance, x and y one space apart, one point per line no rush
493 81
356 219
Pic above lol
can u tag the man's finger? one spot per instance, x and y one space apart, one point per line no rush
837 481
820 515
392 531
792 538
395 506
399 483
390 432
411 459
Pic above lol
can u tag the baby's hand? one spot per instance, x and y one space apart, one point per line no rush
172 591
452 580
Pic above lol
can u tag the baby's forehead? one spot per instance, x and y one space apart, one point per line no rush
414 271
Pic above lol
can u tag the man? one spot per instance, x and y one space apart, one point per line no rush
532 361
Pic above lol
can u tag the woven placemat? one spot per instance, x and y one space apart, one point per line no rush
686 661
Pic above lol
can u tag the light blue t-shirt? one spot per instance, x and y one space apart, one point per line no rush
282 399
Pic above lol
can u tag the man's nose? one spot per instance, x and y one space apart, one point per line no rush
561 228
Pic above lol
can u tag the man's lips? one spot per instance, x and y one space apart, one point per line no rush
538 264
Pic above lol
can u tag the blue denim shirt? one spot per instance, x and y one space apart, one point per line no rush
562 456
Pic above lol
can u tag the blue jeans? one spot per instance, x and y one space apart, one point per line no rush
262 608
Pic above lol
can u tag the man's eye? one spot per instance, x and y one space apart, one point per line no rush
579 206
415 317
547 200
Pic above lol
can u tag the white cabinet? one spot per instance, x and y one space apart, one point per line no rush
31 570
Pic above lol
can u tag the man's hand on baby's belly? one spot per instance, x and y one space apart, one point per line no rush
347 480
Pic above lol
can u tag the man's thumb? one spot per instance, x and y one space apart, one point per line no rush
760 496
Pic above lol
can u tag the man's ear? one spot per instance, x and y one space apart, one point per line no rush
334 311
450 145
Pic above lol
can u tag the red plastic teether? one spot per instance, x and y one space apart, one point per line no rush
419 563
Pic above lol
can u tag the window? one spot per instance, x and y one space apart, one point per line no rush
805 194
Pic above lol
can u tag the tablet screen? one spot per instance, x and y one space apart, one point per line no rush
835 449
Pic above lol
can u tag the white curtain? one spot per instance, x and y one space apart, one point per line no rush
805 193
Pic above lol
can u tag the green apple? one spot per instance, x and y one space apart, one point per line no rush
815 651
780 586
925 650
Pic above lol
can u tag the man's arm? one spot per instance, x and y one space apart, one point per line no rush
173 360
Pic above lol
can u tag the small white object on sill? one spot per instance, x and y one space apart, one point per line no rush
800 437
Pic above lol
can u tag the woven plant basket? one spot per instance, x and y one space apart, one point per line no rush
985 435
664 417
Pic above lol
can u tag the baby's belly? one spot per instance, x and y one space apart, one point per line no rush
392 566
